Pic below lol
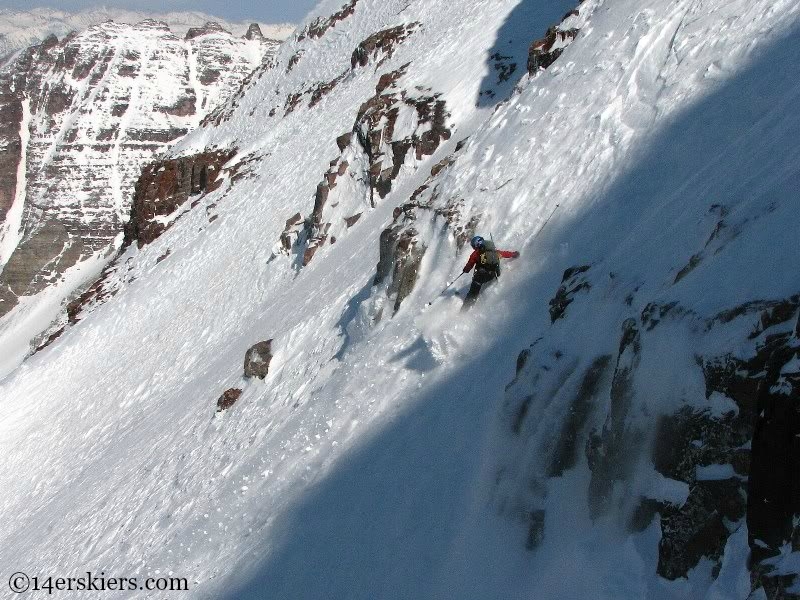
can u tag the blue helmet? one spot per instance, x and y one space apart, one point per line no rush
477 242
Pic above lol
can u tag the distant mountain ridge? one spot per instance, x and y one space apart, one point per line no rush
22 28
81 116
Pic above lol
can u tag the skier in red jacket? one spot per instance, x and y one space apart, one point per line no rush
486 260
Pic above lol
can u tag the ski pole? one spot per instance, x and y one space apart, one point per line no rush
446 287
546 221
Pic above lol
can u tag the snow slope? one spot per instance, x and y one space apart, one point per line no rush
373 461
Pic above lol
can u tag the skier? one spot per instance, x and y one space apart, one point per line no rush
486 260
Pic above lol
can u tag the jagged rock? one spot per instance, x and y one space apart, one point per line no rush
381 43
400 248
350 221
375 126
323 89
385 254
545 51
653 313
254 32
774 479
522 360
222 67
228 399
646 510
245 167
442 165
752 401
292 102
765 484
295 58
343 141
310 251
375 138
257 359
400 255
690 266
388 80
166 185
408 257
320 25
49 42
209 28
182 108
572 282
24 273
291 228
698 528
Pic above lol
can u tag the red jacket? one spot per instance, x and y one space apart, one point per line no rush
476 254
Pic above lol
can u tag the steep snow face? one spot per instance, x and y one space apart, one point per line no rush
84 115
384 456
20 29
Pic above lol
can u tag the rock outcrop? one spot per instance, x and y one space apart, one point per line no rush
573 281
228 399
257 359
544 52
725 443
380 46
254 33
320 25
401 253
371 157
166 185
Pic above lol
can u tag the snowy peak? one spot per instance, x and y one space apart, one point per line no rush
253 32
83 116
208 28
20 29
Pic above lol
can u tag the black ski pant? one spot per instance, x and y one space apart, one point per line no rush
481 278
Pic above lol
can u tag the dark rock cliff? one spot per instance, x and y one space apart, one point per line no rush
166 185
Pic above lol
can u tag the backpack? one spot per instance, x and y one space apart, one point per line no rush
489 260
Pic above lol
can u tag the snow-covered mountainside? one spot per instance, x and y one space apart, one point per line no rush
616 418
81 117
22 28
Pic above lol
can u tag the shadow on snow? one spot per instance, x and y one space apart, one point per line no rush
507 60
388 520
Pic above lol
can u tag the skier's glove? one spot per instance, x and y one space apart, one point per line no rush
515 254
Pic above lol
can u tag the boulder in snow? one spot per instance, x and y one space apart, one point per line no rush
257 359
228 399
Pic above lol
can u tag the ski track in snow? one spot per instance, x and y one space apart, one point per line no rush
370 475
